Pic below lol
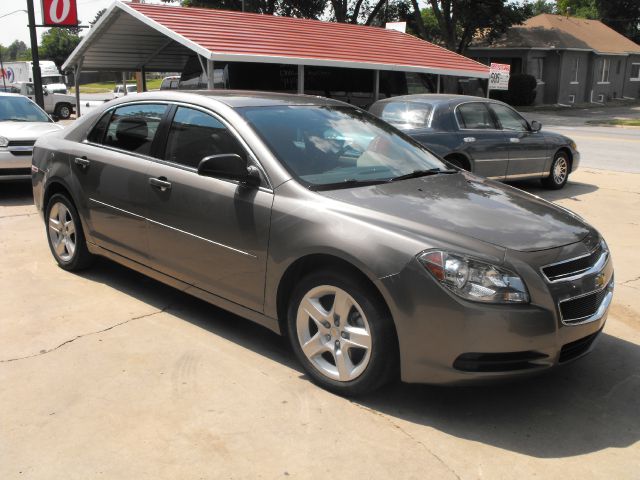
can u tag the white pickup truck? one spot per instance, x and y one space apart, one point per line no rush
58 104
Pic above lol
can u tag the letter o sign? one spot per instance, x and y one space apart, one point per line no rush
56 13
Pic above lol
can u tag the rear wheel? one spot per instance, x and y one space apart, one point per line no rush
65 234
63 111
559 173
342 334
458 162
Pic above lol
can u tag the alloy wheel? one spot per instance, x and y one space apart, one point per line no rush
62 231
333 333
560 170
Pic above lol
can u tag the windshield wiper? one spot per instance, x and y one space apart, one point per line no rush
422 173
346 183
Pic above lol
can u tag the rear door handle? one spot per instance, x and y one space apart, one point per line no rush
82 161
514 140
160 183
469 139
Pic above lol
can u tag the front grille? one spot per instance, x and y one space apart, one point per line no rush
572 267
580 308
497 362
579 347
22 143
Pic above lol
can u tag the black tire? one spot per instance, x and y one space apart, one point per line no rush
80 258
458 162
556 180
63 111
382 366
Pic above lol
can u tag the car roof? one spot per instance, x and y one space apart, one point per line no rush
244 98
434 98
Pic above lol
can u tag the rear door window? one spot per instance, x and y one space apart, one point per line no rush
474 116
133 127
194 135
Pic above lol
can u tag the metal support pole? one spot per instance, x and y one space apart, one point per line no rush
76 81
301 79
124 83
376 85
210 75
37 77
438 88
143 74
4 77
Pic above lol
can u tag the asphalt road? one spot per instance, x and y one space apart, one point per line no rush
605 148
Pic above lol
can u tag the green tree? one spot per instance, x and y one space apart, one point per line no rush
459 21
538 7
621 15
57 44
578 8
17 50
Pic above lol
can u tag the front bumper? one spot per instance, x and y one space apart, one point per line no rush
15 162
444 339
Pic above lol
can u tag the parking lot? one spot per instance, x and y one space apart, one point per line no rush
109 374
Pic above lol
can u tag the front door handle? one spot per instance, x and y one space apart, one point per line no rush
82 161
160 183
469 139
514 140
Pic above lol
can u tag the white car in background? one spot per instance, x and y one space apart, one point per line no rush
118 91
22 122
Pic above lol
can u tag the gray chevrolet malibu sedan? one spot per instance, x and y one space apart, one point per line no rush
323 223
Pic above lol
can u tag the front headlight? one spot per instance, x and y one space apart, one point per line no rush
474 279
4 142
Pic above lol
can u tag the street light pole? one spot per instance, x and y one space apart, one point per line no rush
37 77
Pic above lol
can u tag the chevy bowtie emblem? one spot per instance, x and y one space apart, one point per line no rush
600 280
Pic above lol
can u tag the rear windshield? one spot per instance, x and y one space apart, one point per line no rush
324 146
407 115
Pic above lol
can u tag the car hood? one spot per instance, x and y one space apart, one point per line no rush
26 130
464 204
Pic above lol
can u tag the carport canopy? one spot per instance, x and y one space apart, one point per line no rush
144 37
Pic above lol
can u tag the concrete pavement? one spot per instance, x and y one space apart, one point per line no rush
108 374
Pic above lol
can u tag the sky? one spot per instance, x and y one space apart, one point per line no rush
14 26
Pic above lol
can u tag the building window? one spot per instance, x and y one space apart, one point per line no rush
603 70
537 65
618 67
572 99
635 72
574 70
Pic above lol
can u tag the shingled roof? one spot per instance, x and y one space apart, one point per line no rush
548 31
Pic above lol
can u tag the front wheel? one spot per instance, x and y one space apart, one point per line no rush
342 334
65 234
559 173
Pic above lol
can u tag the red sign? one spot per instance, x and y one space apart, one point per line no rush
59 13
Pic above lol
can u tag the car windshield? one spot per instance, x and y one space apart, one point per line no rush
21 109
51 80
338 146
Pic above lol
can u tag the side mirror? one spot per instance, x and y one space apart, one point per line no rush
54 118
535 125
229 166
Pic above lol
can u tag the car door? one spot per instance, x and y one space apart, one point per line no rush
111 169
209 232
481 140
528 151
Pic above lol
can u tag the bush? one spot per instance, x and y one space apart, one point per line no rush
522 90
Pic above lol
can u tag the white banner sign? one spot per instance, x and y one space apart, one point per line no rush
499 76
399 26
